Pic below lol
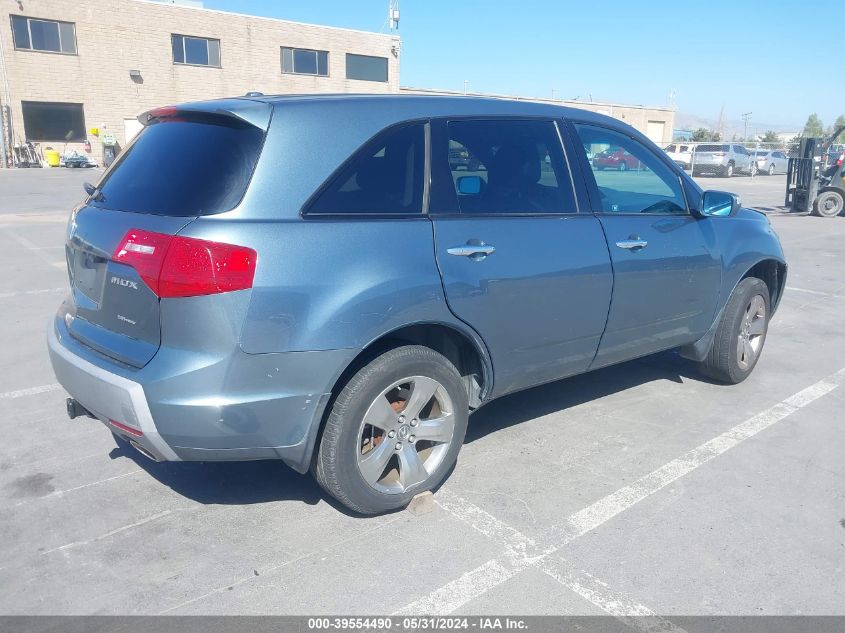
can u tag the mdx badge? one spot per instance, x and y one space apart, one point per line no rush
128 283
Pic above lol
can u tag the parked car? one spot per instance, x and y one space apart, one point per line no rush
615 158
771 162
681 153
278 278
723 159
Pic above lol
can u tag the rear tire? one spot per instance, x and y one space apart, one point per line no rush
374 456
771 171
728 171
828 204
741 333
623 166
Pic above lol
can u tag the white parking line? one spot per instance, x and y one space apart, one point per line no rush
23 293
818 293
31 391
59 493
68 546
35 249
496 571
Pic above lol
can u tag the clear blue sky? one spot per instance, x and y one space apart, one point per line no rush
731 53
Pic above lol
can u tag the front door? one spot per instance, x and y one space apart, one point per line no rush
667 269
519 263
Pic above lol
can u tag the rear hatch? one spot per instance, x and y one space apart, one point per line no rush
122 252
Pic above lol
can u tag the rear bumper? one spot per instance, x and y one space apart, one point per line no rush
190 406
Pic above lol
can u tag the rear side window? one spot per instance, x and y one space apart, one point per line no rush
183 168
507 167
384 177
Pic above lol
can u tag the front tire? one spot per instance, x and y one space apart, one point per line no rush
394 430
740 334
828 204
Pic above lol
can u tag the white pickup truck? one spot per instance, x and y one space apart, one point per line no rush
681 153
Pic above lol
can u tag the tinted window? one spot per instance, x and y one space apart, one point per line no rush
366 68
198 51
649 187
43 35
44 121
507 167
183 168
384 177
302 61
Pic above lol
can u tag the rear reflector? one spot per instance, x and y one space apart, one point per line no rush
176 266
127 429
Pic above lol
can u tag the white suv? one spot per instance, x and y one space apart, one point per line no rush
680 153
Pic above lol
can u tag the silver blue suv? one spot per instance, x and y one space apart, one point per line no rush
312 279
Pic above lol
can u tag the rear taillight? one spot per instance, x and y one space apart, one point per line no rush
841 160
176 266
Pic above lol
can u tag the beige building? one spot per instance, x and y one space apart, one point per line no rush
73 66
75 74
656 122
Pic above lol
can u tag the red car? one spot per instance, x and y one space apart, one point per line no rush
615 158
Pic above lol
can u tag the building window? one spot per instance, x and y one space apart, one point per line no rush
43 121
50 36
366 68
195 51
302 61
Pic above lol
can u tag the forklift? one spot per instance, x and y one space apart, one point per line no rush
815 178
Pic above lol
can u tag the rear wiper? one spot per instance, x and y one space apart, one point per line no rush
93 192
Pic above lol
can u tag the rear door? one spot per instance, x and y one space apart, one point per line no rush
666 263
181 166
519 263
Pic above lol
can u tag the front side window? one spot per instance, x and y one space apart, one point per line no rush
46 121
44 35
366 68
508 167
384 177
629 176
195 51
301 61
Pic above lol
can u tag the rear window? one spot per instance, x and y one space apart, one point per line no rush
711 148
183 168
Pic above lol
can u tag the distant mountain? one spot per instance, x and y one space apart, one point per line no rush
687 121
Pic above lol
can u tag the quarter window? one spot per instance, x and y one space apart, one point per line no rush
49 36
630 177
507 167
302 61
384 177
195 51
43 121
366 68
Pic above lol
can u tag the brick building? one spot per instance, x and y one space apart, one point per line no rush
73 66
67 68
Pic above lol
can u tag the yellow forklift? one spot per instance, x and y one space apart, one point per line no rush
815 178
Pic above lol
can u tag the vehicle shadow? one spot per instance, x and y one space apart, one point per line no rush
256 482
556 396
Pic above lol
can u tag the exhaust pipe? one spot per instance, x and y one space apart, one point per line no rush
143 451
76 410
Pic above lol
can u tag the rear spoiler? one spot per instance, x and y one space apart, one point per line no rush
255 113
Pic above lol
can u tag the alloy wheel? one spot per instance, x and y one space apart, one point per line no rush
751 332
405 434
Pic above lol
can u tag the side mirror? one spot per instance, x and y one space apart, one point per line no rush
719 204
89 188
469 185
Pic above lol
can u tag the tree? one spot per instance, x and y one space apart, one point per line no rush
813 126
840 120
770 137
703 134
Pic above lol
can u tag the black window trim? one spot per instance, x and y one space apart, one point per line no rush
557 121
38 50
310 50
196 37
592 185
305 212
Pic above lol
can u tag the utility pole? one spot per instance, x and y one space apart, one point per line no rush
745 117
466 83
554 94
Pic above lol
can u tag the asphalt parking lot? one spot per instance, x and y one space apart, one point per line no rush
637 489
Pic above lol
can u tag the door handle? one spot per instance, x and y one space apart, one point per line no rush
475 252
632 244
